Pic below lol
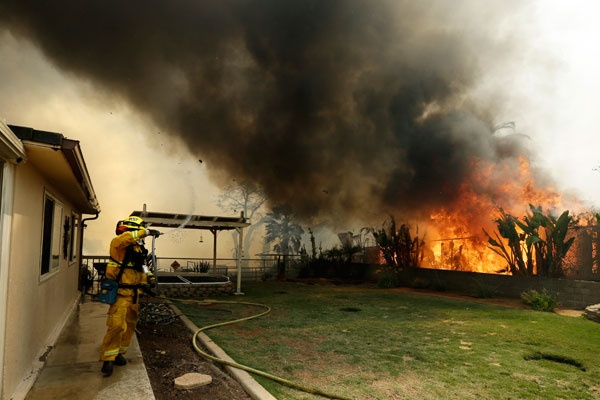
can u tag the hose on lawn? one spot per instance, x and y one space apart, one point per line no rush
233 364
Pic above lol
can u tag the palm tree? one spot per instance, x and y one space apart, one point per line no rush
283 231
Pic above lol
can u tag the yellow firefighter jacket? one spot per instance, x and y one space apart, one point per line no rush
131 276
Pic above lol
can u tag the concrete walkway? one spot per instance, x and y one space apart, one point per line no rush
72 370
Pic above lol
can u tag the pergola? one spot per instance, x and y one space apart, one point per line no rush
213 224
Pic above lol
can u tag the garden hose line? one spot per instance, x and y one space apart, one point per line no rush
233 364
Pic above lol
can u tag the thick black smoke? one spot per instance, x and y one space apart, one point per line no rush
340 108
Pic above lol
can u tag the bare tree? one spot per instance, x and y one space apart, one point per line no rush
248 198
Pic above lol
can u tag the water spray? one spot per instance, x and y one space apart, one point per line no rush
188 215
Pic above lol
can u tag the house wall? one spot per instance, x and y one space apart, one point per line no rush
37 307
6 204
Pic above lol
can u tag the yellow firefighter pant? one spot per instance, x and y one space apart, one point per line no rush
121 322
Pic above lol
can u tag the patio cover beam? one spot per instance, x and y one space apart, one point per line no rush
213 224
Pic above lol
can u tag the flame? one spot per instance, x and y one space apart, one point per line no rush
456 238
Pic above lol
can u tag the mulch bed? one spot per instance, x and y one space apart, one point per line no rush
168 353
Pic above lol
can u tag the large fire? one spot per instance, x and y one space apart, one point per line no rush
455 233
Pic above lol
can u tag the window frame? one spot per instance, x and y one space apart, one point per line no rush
51 240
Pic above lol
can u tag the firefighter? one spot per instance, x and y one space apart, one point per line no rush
127 267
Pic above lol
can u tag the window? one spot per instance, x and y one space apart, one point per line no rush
53 217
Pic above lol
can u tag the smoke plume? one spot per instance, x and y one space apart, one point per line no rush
340 108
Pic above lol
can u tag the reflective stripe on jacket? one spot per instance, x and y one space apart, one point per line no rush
118 247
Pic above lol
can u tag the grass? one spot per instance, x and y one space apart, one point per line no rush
368 343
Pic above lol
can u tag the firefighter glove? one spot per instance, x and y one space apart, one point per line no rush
151 279
153 232
146 289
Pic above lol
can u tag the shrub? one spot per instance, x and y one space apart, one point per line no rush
539 301
483 291
388 279
203 266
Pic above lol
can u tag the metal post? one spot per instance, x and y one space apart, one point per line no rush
214 232
239 260
154 266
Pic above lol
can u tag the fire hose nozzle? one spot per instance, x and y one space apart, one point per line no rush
154 232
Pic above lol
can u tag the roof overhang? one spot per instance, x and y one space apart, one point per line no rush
61 162
11 148
167 220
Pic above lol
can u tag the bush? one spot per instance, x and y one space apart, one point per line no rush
539 301
483 291
388 280
203 266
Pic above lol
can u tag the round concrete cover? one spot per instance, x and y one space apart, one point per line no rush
192 380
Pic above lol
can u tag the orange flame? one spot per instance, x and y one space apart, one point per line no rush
455 235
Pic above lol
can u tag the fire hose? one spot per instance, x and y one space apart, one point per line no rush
255 371
233 364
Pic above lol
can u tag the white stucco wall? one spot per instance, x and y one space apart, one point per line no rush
37 307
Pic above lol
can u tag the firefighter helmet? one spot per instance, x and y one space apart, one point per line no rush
133 223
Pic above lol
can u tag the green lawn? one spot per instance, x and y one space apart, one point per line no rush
368 343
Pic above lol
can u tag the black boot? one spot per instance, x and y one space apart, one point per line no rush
107 368
120 360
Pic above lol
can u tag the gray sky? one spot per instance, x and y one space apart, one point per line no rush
310 119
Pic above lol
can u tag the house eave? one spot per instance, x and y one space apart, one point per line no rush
11 148
61 161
